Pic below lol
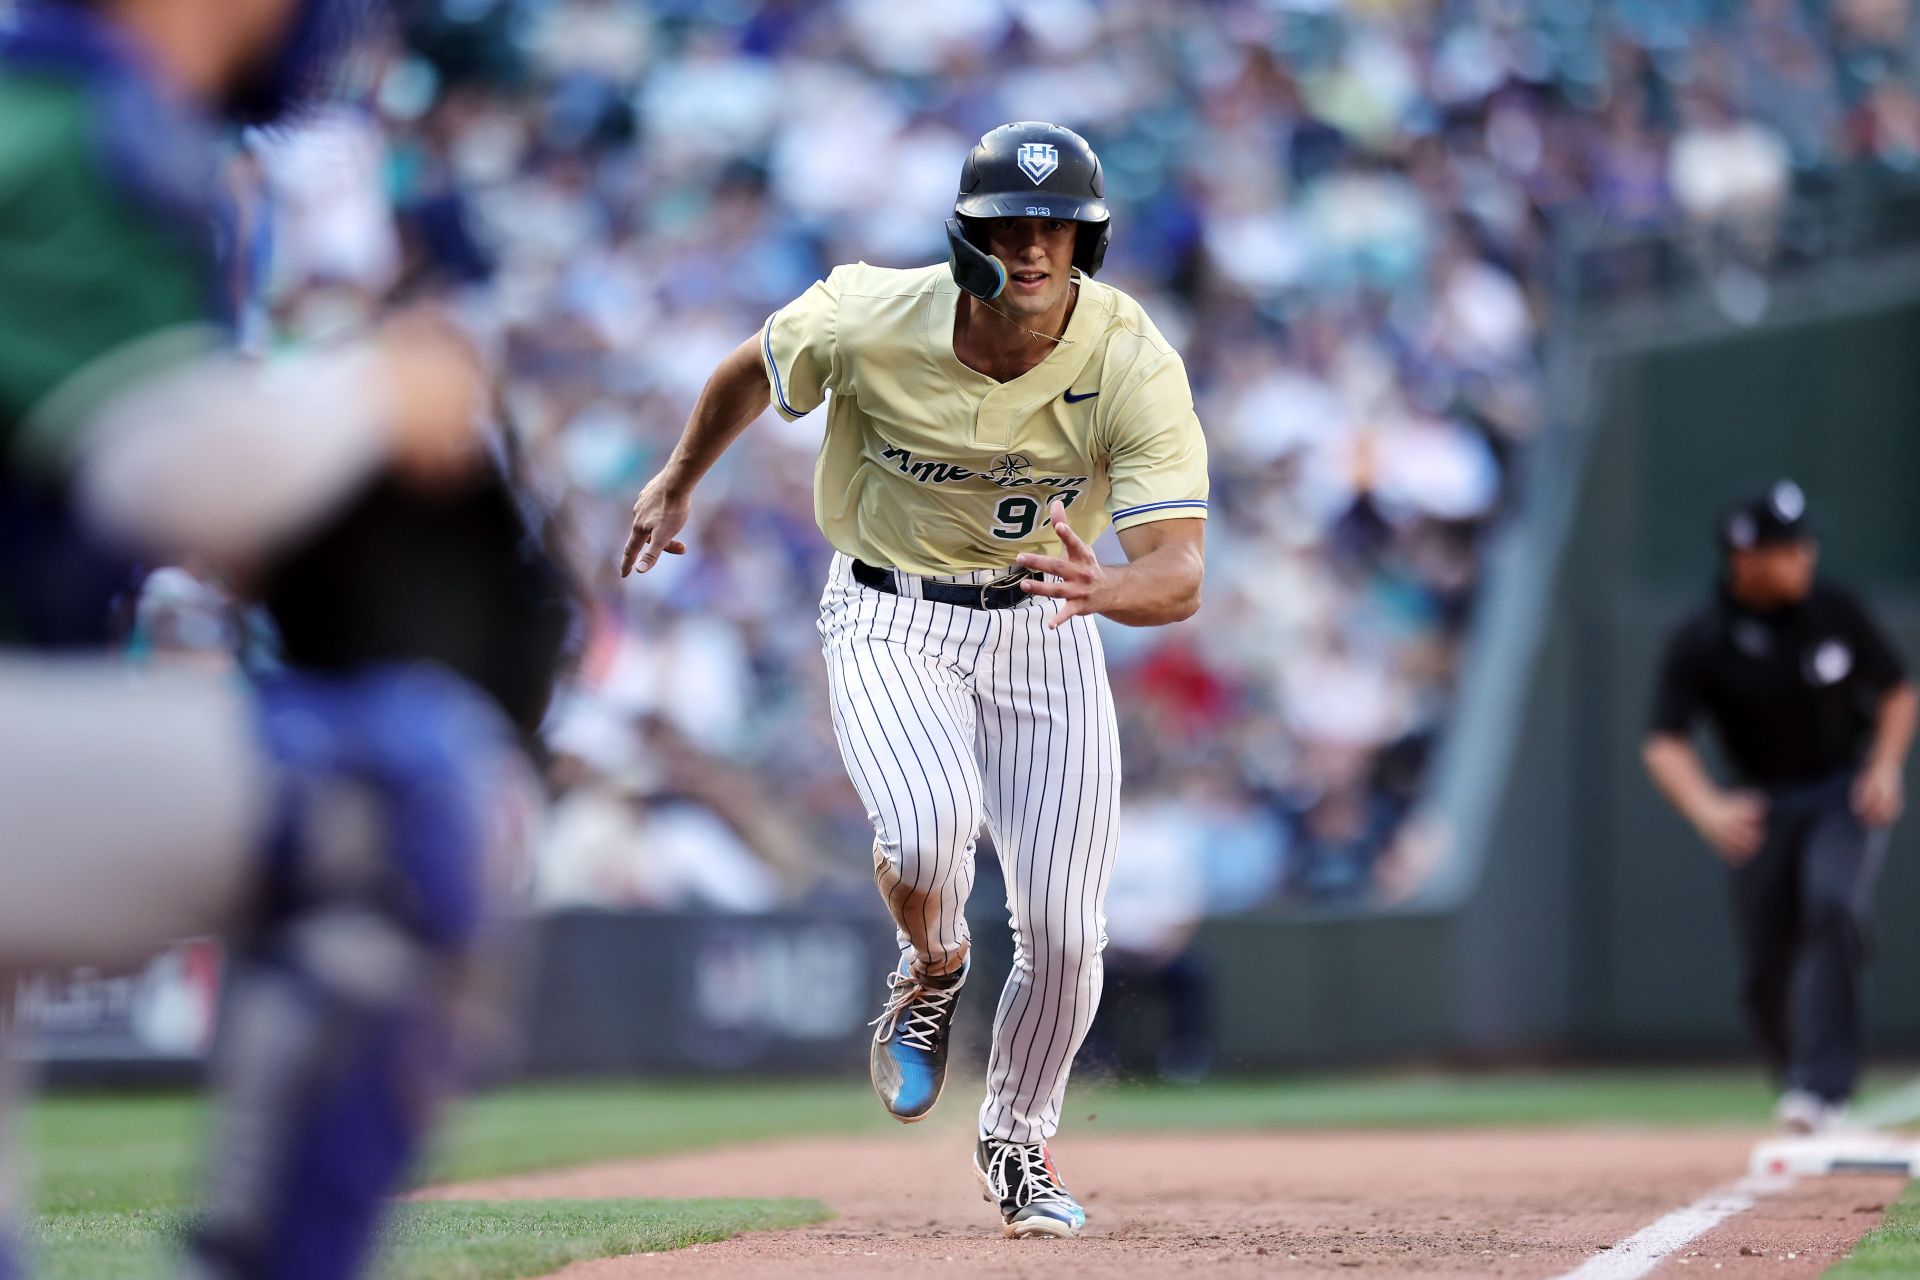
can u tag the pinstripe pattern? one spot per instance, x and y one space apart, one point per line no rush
947 717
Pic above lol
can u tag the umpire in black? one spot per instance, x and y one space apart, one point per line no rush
1815 713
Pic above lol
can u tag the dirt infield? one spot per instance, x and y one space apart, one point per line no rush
1462 1203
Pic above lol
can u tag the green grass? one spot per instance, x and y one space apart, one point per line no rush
119 1152
115 1176
133 1245
552 1126
115 1173
1892 1249
475 1240
448 1240
1424 1101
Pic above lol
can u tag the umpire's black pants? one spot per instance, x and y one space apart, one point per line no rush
1801 913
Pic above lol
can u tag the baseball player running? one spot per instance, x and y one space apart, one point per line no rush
989 418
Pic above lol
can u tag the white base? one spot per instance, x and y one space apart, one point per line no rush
1838 1153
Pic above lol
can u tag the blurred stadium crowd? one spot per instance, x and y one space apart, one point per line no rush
1341 213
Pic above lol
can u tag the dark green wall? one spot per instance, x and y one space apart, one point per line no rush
1682 430
1834 404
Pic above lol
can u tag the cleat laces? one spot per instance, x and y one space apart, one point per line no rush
1027 1163
915 1011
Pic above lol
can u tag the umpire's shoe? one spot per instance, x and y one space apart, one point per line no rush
1021 1178
909 1057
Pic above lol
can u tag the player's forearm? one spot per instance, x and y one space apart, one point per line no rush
1160 587
1679 775
734 396
225 459
1893 732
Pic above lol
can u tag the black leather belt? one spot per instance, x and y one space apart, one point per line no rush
1003 593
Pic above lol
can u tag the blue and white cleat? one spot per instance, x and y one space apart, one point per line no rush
1020 1178
908 1061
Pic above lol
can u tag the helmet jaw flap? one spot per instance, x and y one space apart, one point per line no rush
974 269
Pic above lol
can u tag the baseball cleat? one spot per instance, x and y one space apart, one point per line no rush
1804 1114
908 1061
1020 1178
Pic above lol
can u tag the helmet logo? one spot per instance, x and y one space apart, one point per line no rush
1038 160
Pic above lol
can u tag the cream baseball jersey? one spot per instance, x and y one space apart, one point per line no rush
934 468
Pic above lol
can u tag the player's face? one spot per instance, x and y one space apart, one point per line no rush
1776 574
1038 253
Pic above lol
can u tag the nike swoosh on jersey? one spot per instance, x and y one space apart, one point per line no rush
1071 398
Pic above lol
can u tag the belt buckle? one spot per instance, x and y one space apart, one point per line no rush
1012 577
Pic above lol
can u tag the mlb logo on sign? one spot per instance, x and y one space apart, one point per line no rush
1037 160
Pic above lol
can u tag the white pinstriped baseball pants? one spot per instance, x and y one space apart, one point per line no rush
947 716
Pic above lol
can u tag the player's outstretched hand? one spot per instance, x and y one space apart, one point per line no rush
658 513
1083 579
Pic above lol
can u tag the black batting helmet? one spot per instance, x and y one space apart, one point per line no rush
1027 170
1776 517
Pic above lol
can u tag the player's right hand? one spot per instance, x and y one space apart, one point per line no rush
658 513
437 394
1735 824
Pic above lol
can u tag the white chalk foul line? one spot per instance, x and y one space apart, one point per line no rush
1648 1247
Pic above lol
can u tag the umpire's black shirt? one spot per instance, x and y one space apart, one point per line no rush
1794 693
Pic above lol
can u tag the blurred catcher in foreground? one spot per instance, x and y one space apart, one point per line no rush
344 824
